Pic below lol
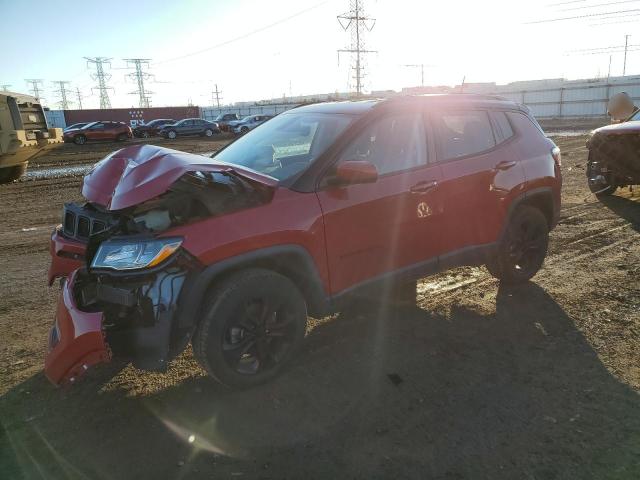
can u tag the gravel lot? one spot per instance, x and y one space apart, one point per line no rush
473 382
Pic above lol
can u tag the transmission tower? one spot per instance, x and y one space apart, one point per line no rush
139 75
5 87
215 96
79 98
358 23
35 87
102 79
62 93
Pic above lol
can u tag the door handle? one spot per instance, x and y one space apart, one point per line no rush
423 187
506 165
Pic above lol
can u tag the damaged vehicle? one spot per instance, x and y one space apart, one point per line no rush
321 203
614 156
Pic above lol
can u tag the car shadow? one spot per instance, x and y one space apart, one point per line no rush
624 207
391 391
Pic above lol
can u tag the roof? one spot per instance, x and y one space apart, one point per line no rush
21 97
358 107
347 107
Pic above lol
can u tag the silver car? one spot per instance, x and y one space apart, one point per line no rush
249 123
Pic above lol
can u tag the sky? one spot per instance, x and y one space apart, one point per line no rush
255 49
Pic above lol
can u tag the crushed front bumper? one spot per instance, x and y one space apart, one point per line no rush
76 340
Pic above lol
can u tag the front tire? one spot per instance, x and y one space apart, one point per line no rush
252 326
122 137
145 135
79 139
172 134
208 132
244 130
523 248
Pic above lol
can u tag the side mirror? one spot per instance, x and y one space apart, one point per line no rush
355 171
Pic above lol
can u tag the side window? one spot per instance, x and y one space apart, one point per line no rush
98 126
503 124
464 133
393 143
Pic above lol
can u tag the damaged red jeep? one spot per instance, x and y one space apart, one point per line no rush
231 253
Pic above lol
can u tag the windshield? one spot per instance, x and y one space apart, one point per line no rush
286 145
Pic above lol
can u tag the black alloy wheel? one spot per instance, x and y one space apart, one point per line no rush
252 326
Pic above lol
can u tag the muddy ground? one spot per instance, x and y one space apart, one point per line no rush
475 381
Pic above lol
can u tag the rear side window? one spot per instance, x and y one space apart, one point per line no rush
504 125
464 133
393 143
525 124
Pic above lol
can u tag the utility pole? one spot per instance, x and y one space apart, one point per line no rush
609 70
357 22
5 87
140 76
62 92
421 65
79 98
102 79
626 43
215 96
35 86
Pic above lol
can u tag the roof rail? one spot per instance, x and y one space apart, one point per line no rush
476 96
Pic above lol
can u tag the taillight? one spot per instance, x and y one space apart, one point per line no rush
557 156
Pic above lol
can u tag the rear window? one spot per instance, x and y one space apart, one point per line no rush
464 133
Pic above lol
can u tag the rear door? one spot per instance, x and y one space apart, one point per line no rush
393 224
480 174
96 131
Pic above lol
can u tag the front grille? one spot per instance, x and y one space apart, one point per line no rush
81 221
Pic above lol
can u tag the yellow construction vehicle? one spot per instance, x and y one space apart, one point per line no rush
23 133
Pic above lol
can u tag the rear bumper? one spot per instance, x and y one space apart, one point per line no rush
66 256
76 340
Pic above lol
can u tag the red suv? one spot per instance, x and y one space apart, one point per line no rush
98 131
231 253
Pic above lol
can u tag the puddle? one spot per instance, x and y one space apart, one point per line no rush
56 172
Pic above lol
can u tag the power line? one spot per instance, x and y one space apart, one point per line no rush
576 17
583 7
35 87
243 36
62 93
102 79
357 22
140 76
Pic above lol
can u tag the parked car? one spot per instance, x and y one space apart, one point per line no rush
98 131
249 123
223 120
75 126
189 126
325 201
613 156
151 128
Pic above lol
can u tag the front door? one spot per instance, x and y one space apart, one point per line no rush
391 225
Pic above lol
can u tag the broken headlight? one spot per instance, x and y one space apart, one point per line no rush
131 255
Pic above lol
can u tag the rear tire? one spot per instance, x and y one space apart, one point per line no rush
122 137
9 174
79 139
172 134
252 326
523 249
145 135
208 132
602 190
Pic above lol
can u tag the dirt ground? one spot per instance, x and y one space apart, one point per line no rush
475 381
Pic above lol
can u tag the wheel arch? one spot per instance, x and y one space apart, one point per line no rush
541 198
292 261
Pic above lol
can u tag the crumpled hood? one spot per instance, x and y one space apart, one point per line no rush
625 128
139 173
